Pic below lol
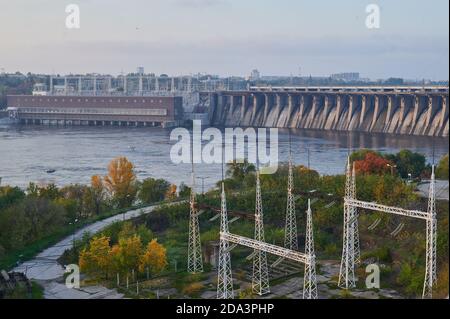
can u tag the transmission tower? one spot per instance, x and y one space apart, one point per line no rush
290 230
354 219
347 271
225 277
260 279
310 282
430 270
195 260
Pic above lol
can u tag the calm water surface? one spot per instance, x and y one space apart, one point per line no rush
76 153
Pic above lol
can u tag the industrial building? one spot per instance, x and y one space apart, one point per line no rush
96 110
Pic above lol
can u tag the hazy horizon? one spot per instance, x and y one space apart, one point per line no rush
227 37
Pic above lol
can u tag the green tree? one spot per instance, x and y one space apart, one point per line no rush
49 191
239 169
360 155
185 190
74 199
410 163
14 228
153 190
10 196
442 169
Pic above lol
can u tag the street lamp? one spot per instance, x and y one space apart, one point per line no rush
392 168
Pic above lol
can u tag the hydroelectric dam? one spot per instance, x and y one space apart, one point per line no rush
393 110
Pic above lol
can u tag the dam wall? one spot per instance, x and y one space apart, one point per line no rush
408 112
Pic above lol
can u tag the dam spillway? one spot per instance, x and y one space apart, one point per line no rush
406 111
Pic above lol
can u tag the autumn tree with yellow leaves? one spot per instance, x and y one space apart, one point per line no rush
171 193
97 192
154 258
121 182
95 260
100 260
128 254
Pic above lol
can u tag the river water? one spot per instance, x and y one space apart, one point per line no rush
77 153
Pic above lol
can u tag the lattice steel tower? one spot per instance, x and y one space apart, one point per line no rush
354 220
347 271
290 229
225 277
309 281
430 268
195 258
260 279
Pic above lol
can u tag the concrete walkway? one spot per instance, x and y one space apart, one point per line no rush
46 270
441 189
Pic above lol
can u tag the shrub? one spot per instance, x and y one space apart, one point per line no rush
193 289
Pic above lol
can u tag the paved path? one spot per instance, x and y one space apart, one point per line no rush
441 189
45 268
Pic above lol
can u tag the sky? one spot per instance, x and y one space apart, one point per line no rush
227 37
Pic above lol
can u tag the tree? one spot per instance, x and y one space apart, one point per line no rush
153 190
360 155
121 182
49 191
238 170
171 193
410 163
73 198
97 193
372 164
128 230
127 254
185 190
145 234
45 217
96 259
154 258
14 228
10 196
442 169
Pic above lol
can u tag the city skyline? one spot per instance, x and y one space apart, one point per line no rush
227 37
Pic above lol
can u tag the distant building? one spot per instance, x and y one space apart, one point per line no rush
140 70
255 75
40 89
348 77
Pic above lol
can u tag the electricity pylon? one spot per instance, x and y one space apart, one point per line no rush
290 230
354 219
195 260
225 277
430 268
260 279
309 280
347 271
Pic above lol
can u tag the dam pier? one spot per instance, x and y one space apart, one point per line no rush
394 110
